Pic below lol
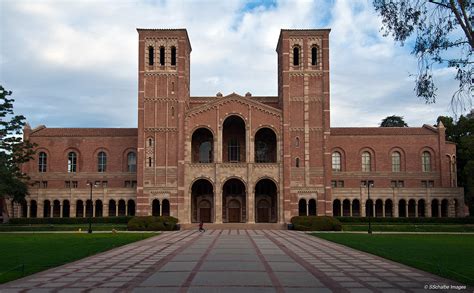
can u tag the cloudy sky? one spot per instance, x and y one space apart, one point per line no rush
74 63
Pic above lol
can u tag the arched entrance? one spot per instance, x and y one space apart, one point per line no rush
302 207
202 201
233 140
234 201
266 201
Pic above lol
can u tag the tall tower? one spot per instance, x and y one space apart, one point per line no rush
303 89
163 95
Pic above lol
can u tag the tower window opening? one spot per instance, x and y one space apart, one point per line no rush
173 56
162 55
296 56
151 55
314 56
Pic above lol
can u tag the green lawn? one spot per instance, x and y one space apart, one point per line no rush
62 227
449 256
403 227
24 254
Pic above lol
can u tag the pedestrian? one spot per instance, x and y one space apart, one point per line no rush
201 229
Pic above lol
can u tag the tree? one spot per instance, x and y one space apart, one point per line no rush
462 133
393 121
13 151
443 37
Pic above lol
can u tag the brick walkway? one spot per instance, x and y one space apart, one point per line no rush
230 261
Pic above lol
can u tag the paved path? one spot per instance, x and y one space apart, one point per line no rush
230 261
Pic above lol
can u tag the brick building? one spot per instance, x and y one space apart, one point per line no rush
240 158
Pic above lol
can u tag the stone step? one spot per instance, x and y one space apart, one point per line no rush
236 226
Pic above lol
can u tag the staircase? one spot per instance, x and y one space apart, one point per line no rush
236 226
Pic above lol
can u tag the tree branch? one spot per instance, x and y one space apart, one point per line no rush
461 23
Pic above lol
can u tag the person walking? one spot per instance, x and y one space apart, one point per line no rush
201 229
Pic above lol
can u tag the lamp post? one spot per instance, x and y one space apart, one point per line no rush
91 185
369 184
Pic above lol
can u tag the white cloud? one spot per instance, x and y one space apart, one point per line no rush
82 55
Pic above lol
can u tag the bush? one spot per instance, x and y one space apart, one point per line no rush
362 220
151 223
314 223
74 221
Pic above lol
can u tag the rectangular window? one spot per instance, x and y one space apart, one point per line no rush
340 183
128 184
44 184
393 183
401 183
424 184
134 184
430 183
74 184
363 183
333 183
104 184
67 184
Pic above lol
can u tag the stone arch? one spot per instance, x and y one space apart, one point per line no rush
112 208
89 208
155 207
421 208
302 208
444 208
99 208
234 139
79 209
435 208
265 145
66 209
266 201
121 208
336 208
379 208
234 189
355 208
402 208
346 208
202 201
130 207
165 209
202 145
411 208
312 207
388 208
369 208
47 209
33 209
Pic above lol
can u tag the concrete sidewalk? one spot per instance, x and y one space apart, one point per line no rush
231 261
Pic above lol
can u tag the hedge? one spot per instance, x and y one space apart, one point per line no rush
316 223
151 223
357 220
104 220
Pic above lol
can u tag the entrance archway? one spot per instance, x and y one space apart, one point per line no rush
265 201
202 201
234 201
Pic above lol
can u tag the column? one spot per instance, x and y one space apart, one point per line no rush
363 214
28 207
51 209
251 206
218 207
161 208
307 208
116 209
72 210
105 209
342 210
406 209
84 209
428 209
373 209
439 209
383 209
40 210
396 211
93 209
60 210
350 209
416 209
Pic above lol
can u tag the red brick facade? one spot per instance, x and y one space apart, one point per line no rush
242 158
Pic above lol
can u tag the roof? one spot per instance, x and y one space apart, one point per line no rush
43 131
167 30
425 130
301 32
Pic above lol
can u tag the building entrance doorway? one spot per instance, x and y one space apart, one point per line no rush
234 202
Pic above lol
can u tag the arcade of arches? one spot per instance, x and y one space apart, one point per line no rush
411 208
234 201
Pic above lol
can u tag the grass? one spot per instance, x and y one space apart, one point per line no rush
62 227
449 256
403 227
25 254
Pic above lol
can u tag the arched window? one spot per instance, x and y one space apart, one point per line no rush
150 161
297 142
314 55
150 142
396 162
173 56
365 162
162 55
101 162
297 162
172 111
296 56
72 162
131 162
233 150
42 162
426 161
151 55
265 146
336 161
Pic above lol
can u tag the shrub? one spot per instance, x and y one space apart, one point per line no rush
314 223
151 223
74 221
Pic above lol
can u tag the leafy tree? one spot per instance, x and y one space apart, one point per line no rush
462 133
443 36
13 151
393 121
